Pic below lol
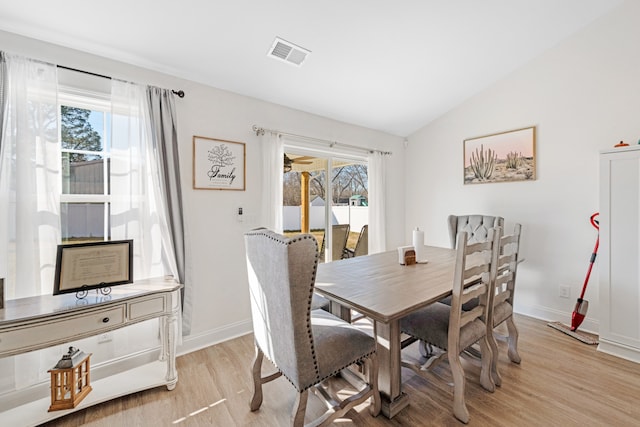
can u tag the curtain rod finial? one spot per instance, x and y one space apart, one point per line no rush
180 93
257 130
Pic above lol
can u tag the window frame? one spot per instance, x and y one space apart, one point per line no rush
93 101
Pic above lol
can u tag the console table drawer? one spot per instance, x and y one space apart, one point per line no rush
151 307
57 331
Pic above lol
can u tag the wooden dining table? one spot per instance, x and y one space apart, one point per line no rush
380 288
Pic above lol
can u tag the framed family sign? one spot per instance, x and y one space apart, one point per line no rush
218 164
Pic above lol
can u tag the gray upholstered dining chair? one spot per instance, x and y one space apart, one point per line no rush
306 346
504 284
477 229
476 226
451 329
362 245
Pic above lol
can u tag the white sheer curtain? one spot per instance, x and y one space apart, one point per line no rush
134 180
377 202
29 176
29 193
272 157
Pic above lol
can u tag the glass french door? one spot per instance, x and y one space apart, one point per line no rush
325 191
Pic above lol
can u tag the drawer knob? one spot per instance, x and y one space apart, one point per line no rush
105 320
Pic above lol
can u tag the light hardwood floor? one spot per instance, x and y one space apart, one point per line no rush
560 382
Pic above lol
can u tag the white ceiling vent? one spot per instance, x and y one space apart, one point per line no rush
288 52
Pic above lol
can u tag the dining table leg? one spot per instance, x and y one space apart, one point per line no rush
389 374
341 311
389 371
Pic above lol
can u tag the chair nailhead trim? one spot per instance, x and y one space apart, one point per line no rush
366 356
288 241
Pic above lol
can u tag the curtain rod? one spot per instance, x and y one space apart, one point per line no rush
260 131
180 93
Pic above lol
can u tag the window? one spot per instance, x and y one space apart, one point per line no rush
85 154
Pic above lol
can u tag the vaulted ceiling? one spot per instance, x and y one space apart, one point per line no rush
387 65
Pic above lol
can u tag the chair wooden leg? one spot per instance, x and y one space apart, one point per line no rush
497 379
256 399
299 409
426 349
459 406
513 341
376 402
489 370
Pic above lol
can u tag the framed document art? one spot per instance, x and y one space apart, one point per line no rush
218 164
501 157
95 265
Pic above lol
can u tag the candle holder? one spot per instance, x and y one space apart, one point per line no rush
70 380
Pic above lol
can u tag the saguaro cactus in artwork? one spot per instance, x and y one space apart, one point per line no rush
514 160
482 162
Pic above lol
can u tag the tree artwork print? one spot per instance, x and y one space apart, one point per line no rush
220 156
218 164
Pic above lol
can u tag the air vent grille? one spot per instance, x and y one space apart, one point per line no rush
281 50
290 53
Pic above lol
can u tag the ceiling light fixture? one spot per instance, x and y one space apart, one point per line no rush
288 52
287 164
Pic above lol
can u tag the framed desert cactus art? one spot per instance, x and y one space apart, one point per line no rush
501 157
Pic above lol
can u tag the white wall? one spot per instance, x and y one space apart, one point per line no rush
583 96
215 243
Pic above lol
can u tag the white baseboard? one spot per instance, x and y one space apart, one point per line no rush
202 340
552 315
619 350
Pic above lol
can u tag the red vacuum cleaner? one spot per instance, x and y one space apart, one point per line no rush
582 305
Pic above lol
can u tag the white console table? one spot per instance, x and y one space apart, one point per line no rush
34 323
